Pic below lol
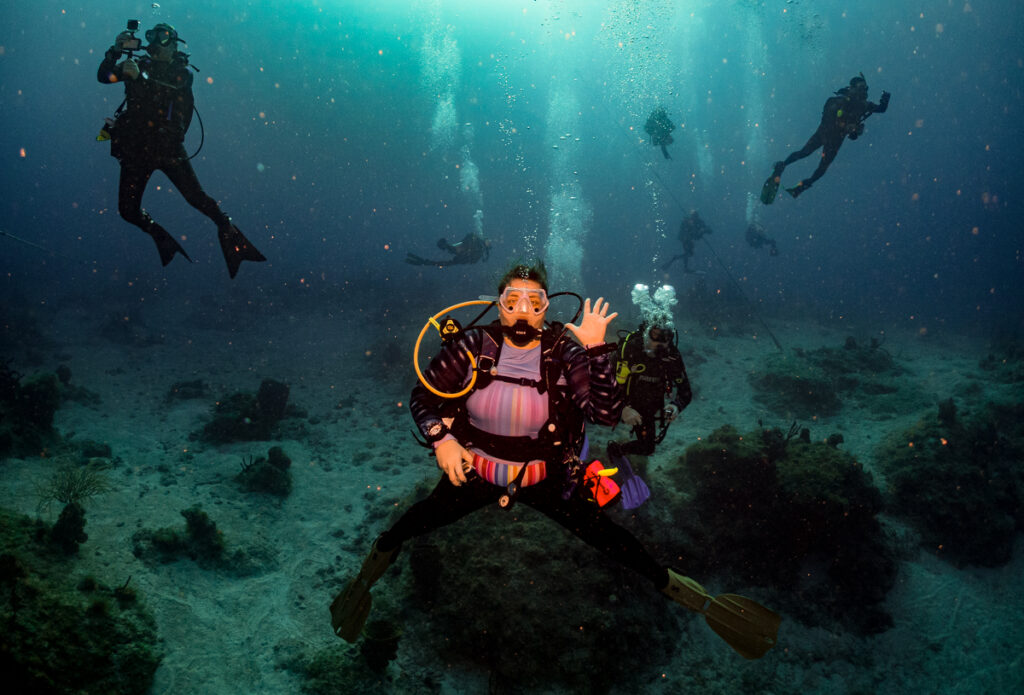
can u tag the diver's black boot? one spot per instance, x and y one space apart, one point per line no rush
796 190
236 247
165 243
351 607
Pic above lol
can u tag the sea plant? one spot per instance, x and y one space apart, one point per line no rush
71 485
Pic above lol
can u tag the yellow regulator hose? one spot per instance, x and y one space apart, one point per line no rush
432 321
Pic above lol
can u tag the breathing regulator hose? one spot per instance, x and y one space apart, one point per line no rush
447 332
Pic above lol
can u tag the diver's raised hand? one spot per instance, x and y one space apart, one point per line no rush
593 324
453 460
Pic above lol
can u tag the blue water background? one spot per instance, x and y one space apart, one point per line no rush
318 141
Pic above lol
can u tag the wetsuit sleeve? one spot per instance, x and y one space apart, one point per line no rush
109 71
881 106
449 372
679 379
592 384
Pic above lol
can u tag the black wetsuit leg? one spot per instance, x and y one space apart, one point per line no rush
590 524
179 170
446 504
829 150
132 184
687 254
135 175
645 434
816 141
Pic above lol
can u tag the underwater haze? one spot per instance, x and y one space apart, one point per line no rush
342 136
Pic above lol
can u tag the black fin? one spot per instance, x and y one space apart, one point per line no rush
236 248
166 244
771 186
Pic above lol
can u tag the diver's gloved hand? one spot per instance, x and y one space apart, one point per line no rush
453 460
671 412
130 69
121 38
631 417
884 101
593 324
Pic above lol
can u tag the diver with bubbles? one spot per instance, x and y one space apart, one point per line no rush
757 238
659 128
649 368
691 229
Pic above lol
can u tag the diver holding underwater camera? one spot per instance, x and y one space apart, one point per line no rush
147 134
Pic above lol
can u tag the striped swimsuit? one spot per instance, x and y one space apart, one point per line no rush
510 410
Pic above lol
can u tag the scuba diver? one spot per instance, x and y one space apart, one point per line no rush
659 127
842 116
756 238
503 406
148 133
648 369
472 249
690 230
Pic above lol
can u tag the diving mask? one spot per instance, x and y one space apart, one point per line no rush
161 34
660 335
521 300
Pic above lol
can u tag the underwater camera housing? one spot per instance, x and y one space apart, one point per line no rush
134 43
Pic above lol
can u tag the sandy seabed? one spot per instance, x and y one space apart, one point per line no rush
955 631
